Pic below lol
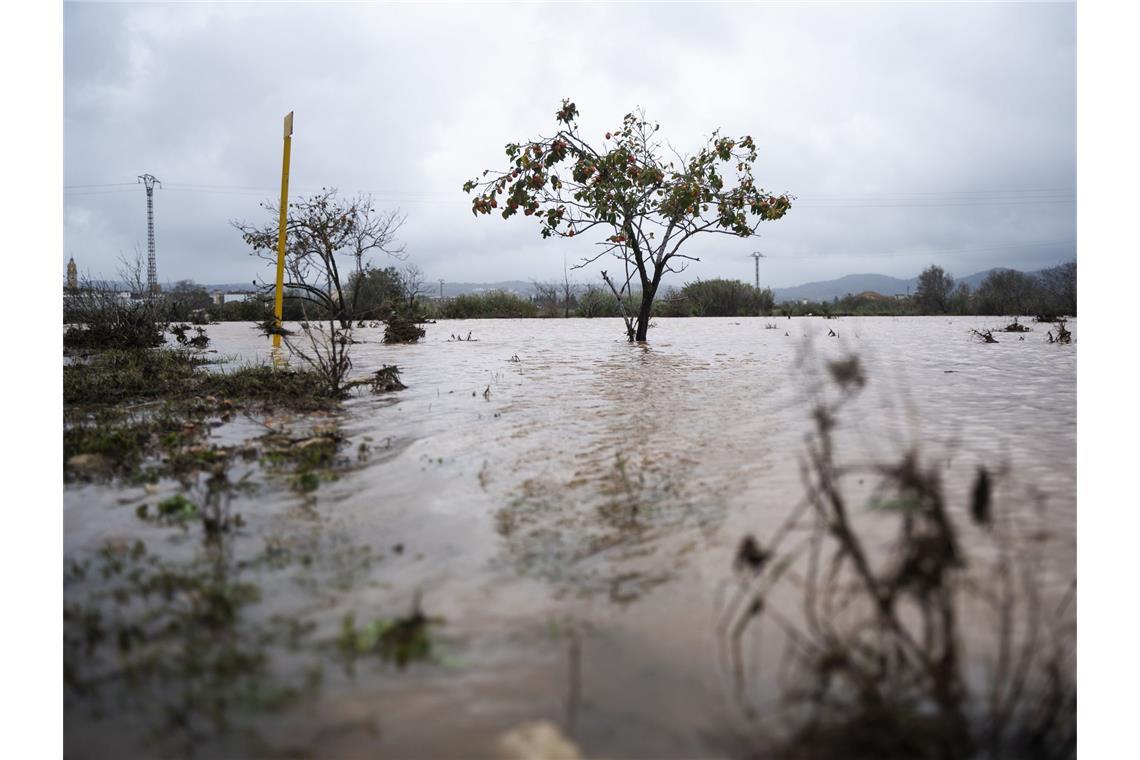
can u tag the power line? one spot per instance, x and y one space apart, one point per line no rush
939 193
97 192
801 203
908 199
106 184
928 203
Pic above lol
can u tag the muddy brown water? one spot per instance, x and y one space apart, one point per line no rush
571 517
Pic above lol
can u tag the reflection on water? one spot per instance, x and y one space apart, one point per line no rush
570 518
170 644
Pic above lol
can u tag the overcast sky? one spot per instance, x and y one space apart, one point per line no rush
912 134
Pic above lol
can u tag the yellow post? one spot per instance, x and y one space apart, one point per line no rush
279 300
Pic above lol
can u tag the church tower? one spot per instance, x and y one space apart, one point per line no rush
72 275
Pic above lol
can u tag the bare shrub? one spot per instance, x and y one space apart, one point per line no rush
1063 334
101 315
328 245
324 347
884 663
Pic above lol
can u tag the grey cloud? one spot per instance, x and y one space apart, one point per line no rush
894 123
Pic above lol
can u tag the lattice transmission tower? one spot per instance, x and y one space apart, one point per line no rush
757 255
149 181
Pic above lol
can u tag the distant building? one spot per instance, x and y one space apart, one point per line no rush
220 297
72 275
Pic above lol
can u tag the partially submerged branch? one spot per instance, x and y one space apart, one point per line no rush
878 649
986 336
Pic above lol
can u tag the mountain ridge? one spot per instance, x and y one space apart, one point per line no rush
825 290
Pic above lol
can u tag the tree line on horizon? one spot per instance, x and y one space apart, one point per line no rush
379 293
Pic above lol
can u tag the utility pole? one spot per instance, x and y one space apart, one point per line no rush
149 181
757 255
279 293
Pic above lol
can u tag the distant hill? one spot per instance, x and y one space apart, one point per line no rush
975 280
825 290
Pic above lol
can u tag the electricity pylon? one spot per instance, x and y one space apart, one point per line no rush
149 181
757 255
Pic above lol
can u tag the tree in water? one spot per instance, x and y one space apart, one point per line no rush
1007 291
646 206
1060 285
934 290
328 245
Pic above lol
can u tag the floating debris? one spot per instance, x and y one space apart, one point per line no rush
750 557
387 379
1015 327
986 336
270 327
1063 334
200 339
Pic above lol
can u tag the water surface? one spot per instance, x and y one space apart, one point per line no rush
569 505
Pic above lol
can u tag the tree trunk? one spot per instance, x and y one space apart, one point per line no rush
643 314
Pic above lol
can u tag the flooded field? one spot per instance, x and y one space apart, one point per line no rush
541 527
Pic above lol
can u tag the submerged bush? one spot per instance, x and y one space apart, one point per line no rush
114 376
725 298
99 319
99 451
324 348
199 339
401 641
595 302
174 645
496 304
402 329
262 381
